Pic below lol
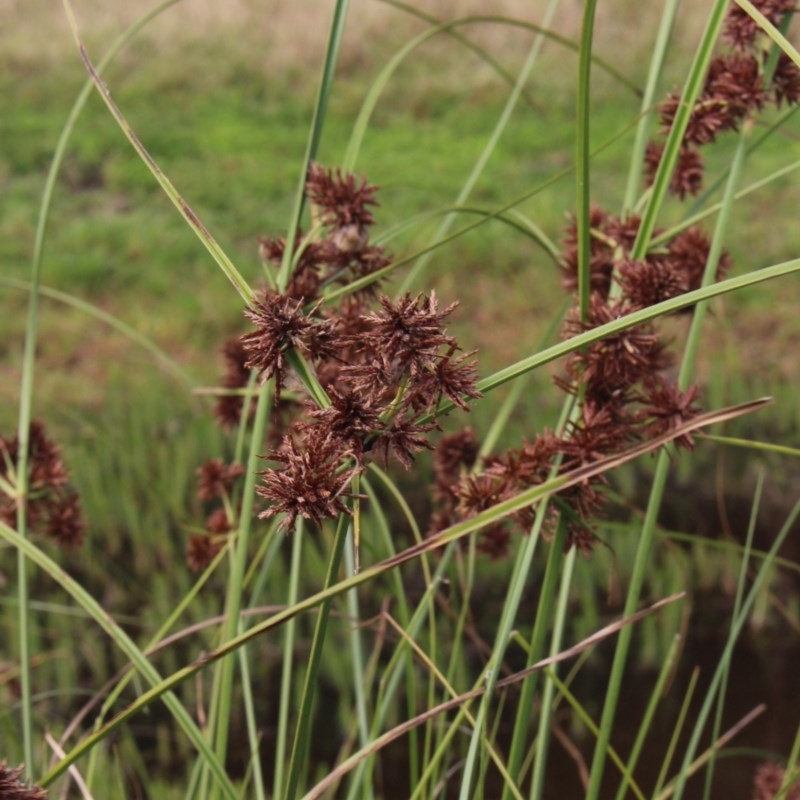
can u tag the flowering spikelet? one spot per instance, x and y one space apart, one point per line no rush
52 506
786 81
309 483
453 454
741 29
228 408
13 788
385 366
617 361
665 408
645 283
409 331
342 200
769 779
215 479
280 325
688 254
688 176
734 88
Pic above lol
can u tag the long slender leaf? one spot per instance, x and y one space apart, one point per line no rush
455 532
127 645
189 216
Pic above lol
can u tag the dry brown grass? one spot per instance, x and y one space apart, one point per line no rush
292 33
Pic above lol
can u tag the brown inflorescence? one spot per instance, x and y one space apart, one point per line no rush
735 87
215 479
619 381
229 405
311 482
769 780
52 506
385 365
741 30
12 787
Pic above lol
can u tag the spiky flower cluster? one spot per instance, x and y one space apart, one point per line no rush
662 274
344 254
630 402
215 481
738 84
384 365
12 786
620 382
768 781
52 506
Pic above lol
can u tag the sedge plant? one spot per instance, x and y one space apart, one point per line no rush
346 374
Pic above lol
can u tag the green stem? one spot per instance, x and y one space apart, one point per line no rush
648 103
282 737
546 713
26 388
223 678
582 144
315 135
649 714
737 605
659 482
356 647
449 536
302 731
541 625
669 158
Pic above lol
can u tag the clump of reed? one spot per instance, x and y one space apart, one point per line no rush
339 376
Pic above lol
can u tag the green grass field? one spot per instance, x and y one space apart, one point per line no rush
230 134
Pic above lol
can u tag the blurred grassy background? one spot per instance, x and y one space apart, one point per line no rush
222 99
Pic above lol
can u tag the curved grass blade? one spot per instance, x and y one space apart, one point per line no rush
628 321
161 356
314 137
671 232
715 749
750 444
400 730
770 30
648 102
381 273
452 534
193 221
360 126
669 158
26 387
127 645
466 42
582 139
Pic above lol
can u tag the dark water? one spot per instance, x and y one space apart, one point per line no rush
765 670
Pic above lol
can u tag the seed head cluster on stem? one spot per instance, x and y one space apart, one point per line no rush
384 364
737 85
620 382
12 787
52 506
